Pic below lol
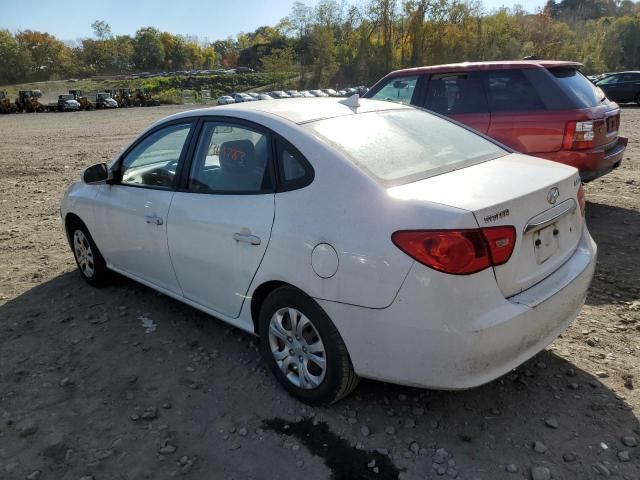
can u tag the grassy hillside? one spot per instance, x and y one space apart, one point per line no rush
167 89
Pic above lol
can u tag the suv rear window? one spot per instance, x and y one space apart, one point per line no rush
402 146
577 87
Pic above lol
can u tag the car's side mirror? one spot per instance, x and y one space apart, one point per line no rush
97 174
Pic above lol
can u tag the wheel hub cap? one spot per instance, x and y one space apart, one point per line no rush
297 348
83 253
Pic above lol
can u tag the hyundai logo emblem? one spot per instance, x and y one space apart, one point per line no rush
552 195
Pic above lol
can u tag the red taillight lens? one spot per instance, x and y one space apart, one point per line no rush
579 135
501 241
459 252
582 200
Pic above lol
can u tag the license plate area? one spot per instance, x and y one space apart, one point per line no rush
546 242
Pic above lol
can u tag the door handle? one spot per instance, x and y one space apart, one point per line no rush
246 238
153 219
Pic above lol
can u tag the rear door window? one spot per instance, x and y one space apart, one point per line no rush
511 91
398 89
455 93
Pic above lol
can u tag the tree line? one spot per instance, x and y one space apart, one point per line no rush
339 42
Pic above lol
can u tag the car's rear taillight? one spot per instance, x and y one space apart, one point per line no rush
581 199
459 252
579 135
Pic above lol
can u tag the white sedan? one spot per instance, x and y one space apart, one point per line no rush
225 100
355 238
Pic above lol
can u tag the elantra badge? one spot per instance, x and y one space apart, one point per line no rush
552 195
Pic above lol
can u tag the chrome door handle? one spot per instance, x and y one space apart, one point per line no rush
153 219
247 238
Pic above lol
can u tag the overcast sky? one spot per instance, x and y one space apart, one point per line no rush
213 19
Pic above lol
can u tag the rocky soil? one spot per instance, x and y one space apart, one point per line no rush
124 383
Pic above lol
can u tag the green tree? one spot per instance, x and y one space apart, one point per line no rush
148 50
279 60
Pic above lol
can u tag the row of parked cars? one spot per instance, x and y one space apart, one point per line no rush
278 94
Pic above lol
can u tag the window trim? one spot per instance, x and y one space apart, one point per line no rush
282 144
183 181
117 166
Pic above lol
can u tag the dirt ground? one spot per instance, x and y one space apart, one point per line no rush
87 392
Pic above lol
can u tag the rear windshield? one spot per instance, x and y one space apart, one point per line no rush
578 87
402 146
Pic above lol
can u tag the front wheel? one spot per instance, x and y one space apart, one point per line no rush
90 262
304 349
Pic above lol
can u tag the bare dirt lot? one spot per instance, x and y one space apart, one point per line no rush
86 392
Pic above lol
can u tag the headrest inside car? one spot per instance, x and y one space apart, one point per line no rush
237 156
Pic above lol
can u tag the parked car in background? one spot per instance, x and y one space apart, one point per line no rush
330 91
242 97
244 70
294 93
264 96
623 87
226 209
318 93
543 108
279 94
306 94
253 95
225 100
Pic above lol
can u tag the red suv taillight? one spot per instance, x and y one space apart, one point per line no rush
579 135
460 252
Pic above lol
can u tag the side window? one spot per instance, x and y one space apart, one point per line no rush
450 94
153 162
511 91
631 77
231 159
398 89
295 171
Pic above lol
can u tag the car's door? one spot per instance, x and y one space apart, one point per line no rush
459 96
132 212
630 86
220 222
611 86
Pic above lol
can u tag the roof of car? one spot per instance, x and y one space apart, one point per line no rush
510 64
297 110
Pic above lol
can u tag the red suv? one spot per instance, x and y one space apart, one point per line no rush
542 108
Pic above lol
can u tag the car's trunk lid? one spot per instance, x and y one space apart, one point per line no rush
537 197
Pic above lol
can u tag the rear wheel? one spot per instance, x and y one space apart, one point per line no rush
90 262
304 349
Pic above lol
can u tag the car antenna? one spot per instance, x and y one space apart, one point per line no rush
352 102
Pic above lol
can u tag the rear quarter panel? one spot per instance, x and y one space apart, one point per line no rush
348 210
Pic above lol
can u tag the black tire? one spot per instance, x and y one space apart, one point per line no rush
339 377
98 275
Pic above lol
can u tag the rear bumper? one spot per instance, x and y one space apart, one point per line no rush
451 332
592 163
